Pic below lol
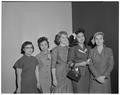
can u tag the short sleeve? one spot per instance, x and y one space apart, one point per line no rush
54 58
39 61
36 61
18 64
71 55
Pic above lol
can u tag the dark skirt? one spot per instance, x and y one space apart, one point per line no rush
83 85
29 85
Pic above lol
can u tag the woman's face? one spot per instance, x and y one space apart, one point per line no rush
99 40
28 49
44 46
80 38
64 39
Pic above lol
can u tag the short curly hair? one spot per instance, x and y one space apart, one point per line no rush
25 44
57 37
80 30
40 40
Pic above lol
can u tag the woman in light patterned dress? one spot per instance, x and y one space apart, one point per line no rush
59 64
44 59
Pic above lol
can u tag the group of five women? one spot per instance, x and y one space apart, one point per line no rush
49 68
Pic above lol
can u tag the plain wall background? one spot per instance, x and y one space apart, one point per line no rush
23 21
104 16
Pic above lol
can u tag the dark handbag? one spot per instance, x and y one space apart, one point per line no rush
74 74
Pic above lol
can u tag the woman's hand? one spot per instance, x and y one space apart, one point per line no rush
38 85
88 61
101 79
18 90
55 82
71 64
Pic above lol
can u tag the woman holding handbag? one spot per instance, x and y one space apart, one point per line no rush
78 57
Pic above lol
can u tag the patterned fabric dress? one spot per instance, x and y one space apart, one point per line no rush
59 61
44 71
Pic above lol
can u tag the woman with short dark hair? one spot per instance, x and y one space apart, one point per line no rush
78 59
27 70
44 59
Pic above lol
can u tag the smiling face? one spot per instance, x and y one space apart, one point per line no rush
44 46
64 39
28 49
99 40
80 37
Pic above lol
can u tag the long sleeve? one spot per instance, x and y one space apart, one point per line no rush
91 65
71 56
39 61
110 64
54 58
53 63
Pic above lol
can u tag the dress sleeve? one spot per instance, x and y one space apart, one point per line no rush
38 61
54 58
91 65
18 64
71 55
110 63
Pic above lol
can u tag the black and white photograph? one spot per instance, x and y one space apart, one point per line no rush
60 47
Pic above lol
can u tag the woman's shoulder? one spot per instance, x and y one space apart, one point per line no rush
88 47
55 48
21 58
72 49
19 61
38 55
33 57
92 49
108 49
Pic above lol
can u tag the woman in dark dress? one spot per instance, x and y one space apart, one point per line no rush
78 57
101 65
27 70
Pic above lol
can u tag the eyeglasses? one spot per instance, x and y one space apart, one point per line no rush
28 47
